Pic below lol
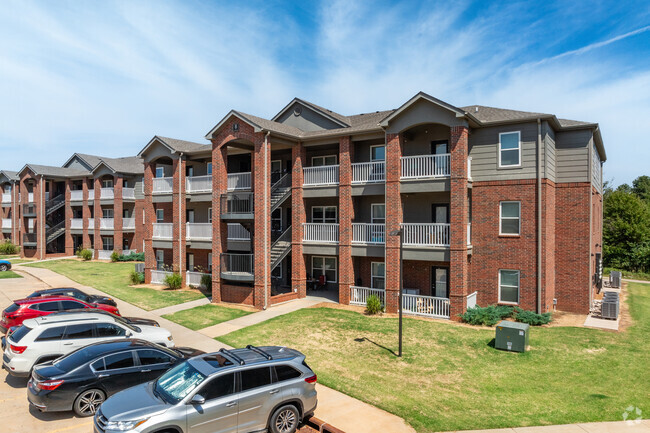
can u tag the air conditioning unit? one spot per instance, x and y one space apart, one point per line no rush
615 279
610 305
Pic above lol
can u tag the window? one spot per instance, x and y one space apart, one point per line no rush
377 275
107 243
107 213
378 153
152 357
209 214
323 214
119 360
160 215
276 166
317 161
77 332
160 171
190 216
255 377
71 305
189 171
219 387
509 149
285 372
46 306
209 170
108 330
324 266
209 262
508 286
51 334
107 183
190 262
378 213
160 259
509 214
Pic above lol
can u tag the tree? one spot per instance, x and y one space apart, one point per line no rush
626 230
641 187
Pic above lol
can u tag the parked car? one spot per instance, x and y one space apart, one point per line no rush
46 338
243 390
23 309
74 293
5 265
129 320
83 379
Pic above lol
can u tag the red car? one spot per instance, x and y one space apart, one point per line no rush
24 309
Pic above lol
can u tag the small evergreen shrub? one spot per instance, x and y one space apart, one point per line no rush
206 281
136 277
531 318
487 316
174 281
115 256
132 257
373 305
85 254
8 247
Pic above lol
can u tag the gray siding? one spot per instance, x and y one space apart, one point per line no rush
418 140
549 152
363 205
572 156
417 208
307 120
78 164
596 169
138 189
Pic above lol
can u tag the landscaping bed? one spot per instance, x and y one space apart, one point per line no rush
205 315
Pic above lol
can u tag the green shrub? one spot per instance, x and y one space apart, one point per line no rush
136 277
132 257
531 318
373 305
206 281
487 316
174 281
114 256
85 254
8 247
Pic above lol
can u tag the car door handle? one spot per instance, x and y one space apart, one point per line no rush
231 404
103 375
67 344
145 371
275 391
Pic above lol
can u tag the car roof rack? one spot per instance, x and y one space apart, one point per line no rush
232 355
260 351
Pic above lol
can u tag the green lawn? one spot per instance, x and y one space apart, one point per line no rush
18 261
205 315
113 278
8 274
8 256
451 378
628 274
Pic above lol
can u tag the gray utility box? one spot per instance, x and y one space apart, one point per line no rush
512 336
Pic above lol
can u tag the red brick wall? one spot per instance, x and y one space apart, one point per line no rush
200 258
150 218
299 217
394 218
459 217
346 216
168 211
139 234
548 244
237 294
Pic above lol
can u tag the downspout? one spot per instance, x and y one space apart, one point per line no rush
539 216
267 218
181 185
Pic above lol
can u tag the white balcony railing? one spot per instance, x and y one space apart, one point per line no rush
199 231
199 184
469 233
363 233
369 172
163 185
421 166
106 223
322 175
76 195
194 278
128 223
128 193
430 235
158 277
237 232
163 231
6 197
107 193
91 223
360 295
30 197
104 254
91 194
429 306
77 223
321 232
238 181
469 167
6 223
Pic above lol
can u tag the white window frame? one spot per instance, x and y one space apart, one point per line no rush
190 216
501 217
336 267
104 238
518 149
323 157
160 258
160 167
210 262
372 212
276 161
336 214
518 286
107 183
190 262
158 219
108 213
372 277
377 145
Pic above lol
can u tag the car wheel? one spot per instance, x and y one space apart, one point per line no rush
284 420
3 267
87 403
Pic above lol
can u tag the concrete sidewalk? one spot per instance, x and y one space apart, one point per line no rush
180 307
642 426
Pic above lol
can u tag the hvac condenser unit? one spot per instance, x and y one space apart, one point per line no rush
615 279
610 305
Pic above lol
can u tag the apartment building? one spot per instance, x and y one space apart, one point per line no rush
464 205
9 210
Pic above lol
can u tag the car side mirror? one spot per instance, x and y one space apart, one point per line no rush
198 399
129 334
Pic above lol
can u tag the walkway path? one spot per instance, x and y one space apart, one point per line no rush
180 307
642 426
636 281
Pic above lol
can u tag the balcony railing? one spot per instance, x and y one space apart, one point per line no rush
429 235
29 210
107 193
76 195
128 193
77 223
158 277
163 231
194 278
237 266
6 223
320 232
322 175
363 233
360 295
469 167
91 194
237 181
199 231
29 238
369 172
104 254
163 185
237 203
198 184
30 197
91 223
6 197
106 223
429 306
128 223
422 166
237 232
469 233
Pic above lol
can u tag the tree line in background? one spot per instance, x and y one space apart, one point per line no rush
626 225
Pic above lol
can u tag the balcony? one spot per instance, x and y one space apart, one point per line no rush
426 235
321 232
237 206
369 172
128 193
417 305
199 231
6 197
163 185
106 223
29 239
30 197
91 223
239 181
6 223
321 175
363 233
107 193
77 195
237 267
196 184
91 194
163 231
128 223
426 166
29 210
360 295
237 232
77 223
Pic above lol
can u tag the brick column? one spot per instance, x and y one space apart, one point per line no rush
394 219
459 267
178 212
86 215
219 228
16 214
97 209
118 207
261 173
39 199
149 219
2 213
299 217
23 222
69 244
346 215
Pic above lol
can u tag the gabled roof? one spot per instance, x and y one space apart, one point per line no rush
47 170
176 146
258 123
11 175
423 96
126 165
90 160
335 117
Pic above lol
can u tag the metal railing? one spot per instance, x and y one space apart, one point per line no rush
363 233
237 263
429 306
107 193
237 181
360 295
6 197
369 172
237 232
106 223
76 195
29 209
163 185
198 183
321 175
431 234
421 166
320 232
237 203
6 223
104 254
194 278
128 193
29 238
158 277
77 223
198 231
163 231
128 223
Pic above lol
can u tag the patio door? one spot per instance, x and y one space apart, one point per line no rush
440 213
439 147
439 282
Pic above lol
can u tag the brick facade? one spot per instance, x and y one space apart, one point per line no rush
346 216
394 219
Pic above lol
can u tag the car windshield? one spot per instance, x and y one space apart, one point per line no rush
124 322
19 333
178 382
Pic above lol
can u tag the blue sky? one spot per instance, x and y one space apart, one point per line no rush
104 77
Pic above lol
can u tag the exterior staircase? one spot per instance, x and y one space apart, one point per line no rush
280 191
281 248
54 232
54 204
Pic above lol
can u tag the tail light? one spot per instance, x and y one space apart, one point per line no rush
311 379
17 349
48 385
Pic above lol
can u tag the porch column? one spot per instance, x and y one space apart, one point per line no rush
85 215
261 173
298 217
178 212
149 219
97 211
39 201
69 244
219 228
118 207
346 215
394 218
22 227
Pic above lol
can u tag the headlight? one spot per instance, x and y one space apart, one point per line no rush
124 425
170 338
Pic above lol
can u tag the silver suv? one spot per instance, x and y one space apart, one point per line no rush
240 390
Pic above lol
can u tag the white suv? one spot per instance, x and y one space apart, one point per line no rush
49 337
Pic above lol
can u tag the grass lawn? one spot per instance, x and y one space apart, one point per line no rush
8 274
451 378
113 278
18 261
205 315
628 274
8 256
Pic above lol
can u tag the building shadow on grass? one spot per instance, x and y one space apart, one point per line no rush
362 339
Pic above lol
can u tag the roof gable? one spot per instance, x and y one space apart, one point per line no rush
325 114
423 108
